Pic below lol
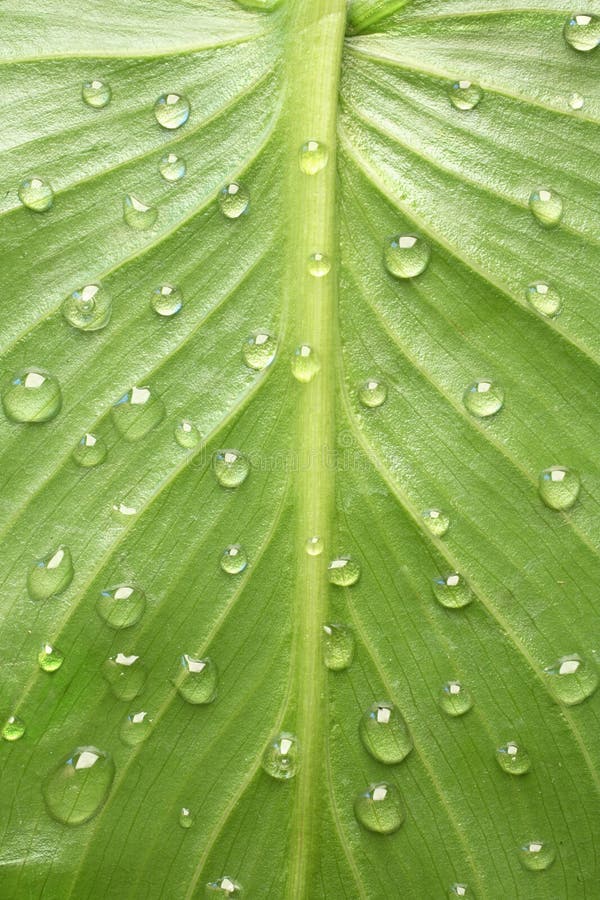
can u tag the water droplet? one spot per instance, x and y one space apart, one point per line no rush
281 757
259 350
384 733
314 545
406 255
186 819
437 521
135 728
319 265
137 214
544 299
484 398
576 101
464 95
166 300
572 679
90 451
125 675
121 606
51 576
459 890
13 729
172 111
172 167
343 571
36 194
31 396
226 886
88 309
455 699
233 200
513 759
338 647
77 790
372 393
137 413
96 93
122 511
546 206
379 809
231 468
234 559
313 157
199 680
50 658
537 855
187 435
305 363
559 487
582 32
452 591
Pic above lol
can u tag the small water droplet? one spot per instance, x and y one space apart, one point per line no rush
187 435
379 809
172 167
372 393
313 157
452 591
572 679
314 545
199 680
343 571
36 194
582 32
513 758
384 733
281 757
437 521
172 111
459 890
31 395
88 309
259 350
559 487
96 93
537 855
233 200
138 214
576 101
50 658
406 255
305 364
122 511
484 398
226 886
51 575
121 606
135 728
234 559
464 95
13 729
338 647
319 265
546 206
186 819
77 790
231 468
166 300
455 699
125 675
544 299
137 413
90 451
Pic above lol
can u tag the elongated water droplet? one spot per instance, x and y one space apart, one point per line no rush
484 398
90 451
572 679
259 350
186 819
234 559
137 413
122 511
537 855
582 32
576 101
187 435
88 309
343 571
559 487
513 758
13 729
281 757
172 111
172 167
31 395
96 93
372 393
51 576
166 300
313 157
137 214
226 886
50 658
384 733
314 545
452 591
233 200
305 364
458 890
135 728
319 265
77 790
437 521
231 468
125 675
464 95
546 206
406 255
36 194
338 647
379 809
121 606
544 299
455 699
198 681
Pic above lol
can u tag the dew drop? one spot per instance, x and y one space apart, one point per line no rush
582 32
172 167
406 255
343 571
90 451
305 364
234 559
452 591
135 728
231 468
31 395
464 95
166 300
36 194
122 511
259 350
233 200
13 729
77 790
226 886
187 435
52 575
186 819
483 398
314 545
137 214
546 206
372 393
338 647
313 157
96 93
121 606
576 101
436 521
198 680
513 759
544 299
537 855
88 309
281 757
572 679
137 413
459 890
379 809
50 658
384 733
172 111
125 675
319 265
559 487
455 699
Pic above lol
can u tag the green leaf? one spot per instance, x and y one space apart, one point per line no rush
114 550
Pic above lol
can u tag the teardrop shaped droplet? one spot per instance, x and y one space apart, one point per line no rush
234 559
137 413
90 451
559 487
406 255
231 468
437 521
384 733
314 545
172 111
464 95
452 591
513 758
121 606
379 809
78 788
582 32
96 93
187 435
36 194
136 727
572 679
226 886
166 300
484 398
125 675
455 699
13 729
233 200
122 511
338 647
259 350
198 680
319 265
50 658
186 819
343 571
31 395
544 299
546 206
305 364
313 157
537 855
172 167
281 757
51 575
372 393
137 214
88 309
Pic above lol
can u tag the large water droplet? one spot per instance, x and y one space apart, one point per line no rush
226 886
187 435
135 728
319 265
51 576
384 733
281 757
455 699
172 167
166 300
259 350
314 545
13 729
379 809
186 819
305 363
582 32
437 521
50 658
544 299
121 606
199 680
546 206
137 413
372 393
138 214
537 855
338 647
77 790
36 194
484 398
31 395
458 890
231 468
90 451
572 679
464 95
125 675
172 111
313 157
96 93
88 309
233 200
234 559
576 101
513 758
452 591
559 487
343 571
406 255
